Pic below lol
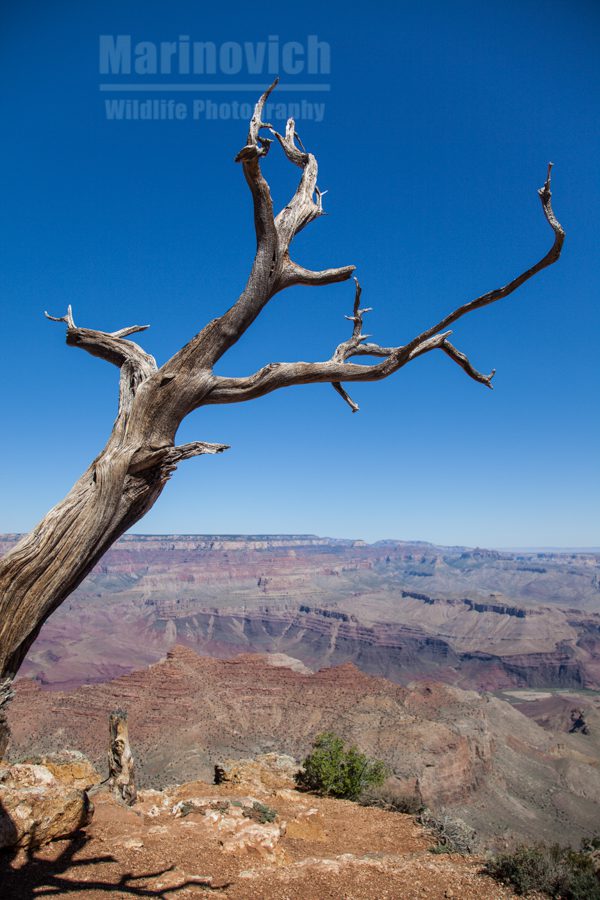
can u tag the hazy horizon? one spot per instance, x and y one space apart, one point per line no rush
341 537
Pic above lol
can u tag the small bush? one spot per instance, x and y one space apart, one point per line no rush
260 812
393 800
453 835
186 808
556 871
337 771
591 844
442 848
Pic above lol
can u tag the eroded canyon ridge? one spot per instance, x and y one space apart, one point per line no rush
479 619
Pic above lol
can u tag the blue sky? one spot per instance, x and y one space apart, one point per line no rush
437 129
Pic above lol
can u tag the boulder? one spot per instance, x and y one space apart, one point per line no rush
269 772
252 837
71 768
35 807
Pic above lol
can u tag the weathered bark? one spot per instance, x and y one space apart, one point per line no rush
118 488
121 768
126 478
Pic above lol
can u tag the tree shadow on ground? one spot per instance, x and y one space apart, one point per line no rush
39 877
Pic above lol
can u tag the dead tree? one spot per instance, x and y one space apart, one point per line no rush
121 768
124 481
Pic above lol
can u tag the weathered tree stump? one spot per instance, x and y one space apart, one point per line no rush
121 768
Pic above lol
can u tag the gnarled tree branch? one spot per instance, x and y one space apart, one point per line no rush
550 257
274 376
336 370
294 274
464 363
135 364
169 457
272 270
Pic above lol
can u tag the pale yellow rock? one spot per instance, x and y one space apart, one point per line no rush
254 838
133 844
35 807
72 768
23 775
269 772
308 825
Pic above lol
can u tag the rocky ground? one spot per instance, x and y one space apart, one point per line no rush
195 839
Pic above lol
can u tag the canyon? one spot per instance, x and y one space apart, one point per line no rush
476 618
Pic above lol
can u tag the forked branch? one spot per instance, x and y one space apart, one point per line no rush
135 364
337 369
108 345
272 269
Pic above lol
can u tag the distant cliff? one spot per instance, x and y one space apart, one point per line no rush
321 637
477 618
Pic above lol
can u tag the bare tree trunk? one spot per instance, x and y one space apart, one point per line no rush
48 564
121 769
117 490
125 480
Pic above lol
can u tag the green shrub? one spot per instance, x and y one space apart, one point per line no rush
335 770
260 812
556 871
591 844
442 848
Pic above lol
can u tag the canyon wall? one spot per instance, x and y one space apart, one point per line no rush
405 610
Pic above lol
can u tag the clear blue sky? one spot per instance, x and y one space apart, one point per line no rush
437 128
